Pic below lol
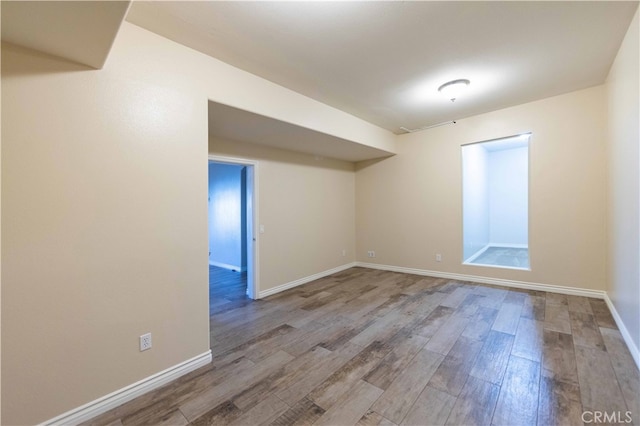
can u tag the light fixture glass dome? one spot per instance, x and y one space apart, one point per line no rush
453 89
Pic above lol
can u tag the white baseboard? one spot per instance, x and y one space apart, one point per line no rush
304 280
227 266
623 330
119 397
598 294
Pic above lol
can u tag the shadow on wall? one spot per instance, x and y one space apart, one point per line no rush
34 62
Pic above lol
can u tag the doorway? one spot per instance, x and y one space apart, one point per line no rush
232 216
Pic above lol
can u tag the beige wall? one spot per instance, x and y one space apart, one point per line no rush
307 208
104 182
409 207
623 90
104 238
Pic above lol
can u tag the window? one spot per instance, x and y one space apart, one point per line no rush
495 180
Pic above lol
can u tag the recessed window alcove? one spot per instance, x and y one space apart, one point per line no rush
495 180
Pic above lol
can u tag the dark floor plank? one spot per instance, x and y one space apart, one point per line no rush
339 383
371 418
529 340
223 414
559 358
161 414
398 398
508 318
556 299
281 379
492 297
476 403
313 377
444 339
243 337
432 323
533 308
395 362
492 360
480 324
602 314
518 399
627 373
579 304
596 393
585 331
516 297
317 337
350 409
556 318
201 403
265 412
456 297
382 328
304 413
432 407
453 372
559 403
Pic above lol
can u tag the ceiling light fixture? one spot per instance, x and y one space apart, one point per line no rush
453 89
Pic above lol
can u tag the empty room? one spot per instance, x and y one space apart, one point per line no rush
328 213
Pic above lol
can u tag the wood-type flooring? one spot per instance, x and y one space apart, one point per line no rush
371 347
225 286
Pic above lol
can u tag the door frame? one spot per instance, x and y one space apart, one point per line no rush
252 222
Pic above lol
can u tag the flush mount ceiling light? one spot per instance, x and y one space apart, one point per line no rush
453 89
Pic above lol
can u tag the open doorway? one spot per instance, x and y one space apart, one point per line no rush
232 252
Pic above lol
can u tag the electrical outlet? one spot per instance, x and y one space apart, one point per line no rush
145 342
371 253
344 252
438 257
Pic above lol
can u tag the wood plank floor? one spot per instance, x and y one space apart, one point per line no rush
225 287
371 347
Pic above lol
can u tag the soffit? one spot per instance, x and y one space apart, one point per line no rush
236 124
80 31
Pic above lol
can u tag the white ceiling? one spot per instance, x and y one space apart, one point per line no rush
79 31
383 61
